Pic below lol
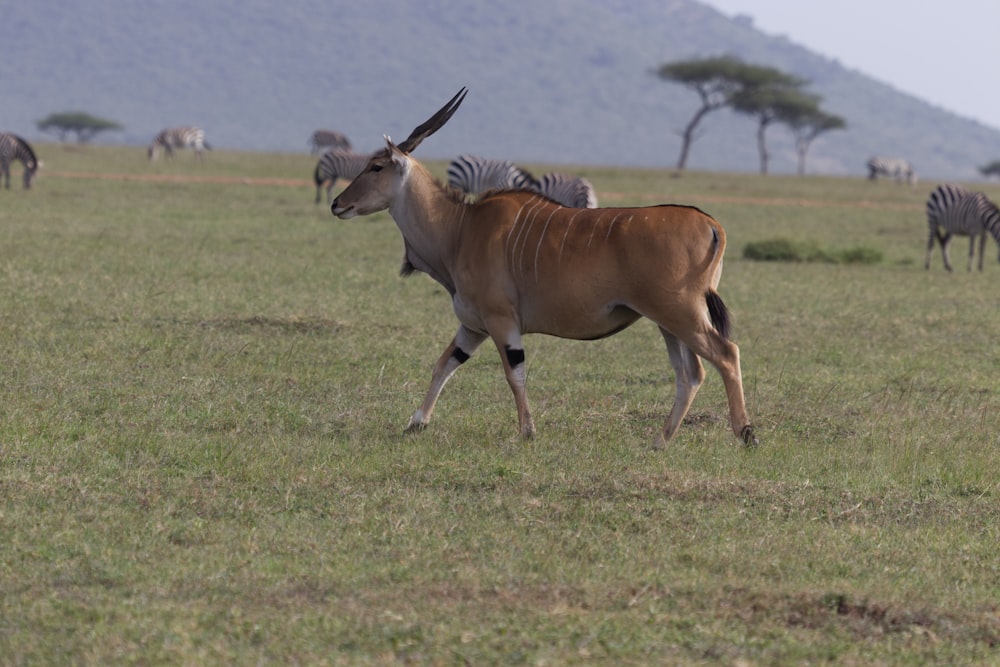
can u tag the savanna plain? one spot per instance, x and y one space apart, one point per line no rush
204 379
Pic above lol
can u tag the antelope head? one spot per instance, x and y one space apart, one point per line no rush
376 186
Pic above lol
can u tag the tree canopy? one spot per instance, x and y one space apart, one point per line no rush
766 93
83 124
715 80
992 169
807 124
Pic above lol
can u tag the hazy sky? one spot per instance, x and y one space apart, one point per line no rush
947 53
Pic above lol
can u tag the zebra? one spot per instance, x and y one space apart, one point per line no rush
891 167
13 147
336 164
475 175
179 137
571 191
328 140
960 212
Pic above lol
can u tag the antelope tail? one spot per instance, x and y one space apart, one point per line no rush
718 313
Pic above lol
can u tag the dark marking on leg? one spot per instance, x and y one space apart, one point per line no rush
460 355
515 356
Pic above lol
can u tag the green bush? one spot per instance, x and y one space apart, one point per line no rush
786 250
860 255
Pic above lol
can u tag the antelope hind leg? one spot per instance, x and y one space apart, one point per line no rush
725 356
689 374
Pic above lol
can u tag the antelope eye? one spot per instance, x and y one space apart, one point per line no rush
376 167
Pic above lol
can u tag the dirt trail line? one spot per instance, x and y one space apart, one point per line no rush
183 178
772 201
305 183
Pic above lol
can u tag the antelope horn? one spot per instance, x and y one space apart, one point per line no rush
432 124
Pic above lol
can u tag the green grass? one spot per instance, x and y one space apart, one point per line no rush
203 389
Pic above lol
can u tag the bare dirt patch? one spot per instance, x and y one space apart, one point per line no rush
182 178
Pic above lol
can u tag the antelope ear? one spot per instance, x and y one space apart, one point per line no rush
396 154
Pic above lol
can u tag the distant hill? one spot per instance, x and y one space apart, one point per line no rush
560 81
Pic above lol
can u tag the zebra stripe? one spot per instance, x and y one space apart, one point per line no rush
336 164
475 175
13 147
179 137
954 211
891 167
571 191
328 140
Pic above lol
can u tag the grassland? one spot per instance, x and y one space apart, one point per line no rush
204 379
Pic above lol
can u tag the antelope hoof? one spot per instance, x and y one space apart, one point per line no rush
414 427
748 437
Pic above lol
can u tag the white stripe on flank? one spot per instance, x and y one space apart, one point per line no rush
568 225
541 237
510 232
597 221
509 249
608 235
526 224
527 232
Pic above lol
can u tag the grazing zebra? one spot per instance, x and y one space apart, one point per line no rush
475 175
567 190
891 167
13 147
179 137
336 164
328 140
960 212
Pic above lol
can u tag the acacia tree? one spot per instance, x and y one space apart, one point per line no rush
716 80
807 124
992 169
764 92
769 95
83 124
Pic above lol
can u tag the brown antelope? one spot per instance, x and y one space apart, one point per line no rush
515 262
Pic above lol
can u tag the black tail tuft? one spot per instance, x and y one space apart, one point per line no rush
718 313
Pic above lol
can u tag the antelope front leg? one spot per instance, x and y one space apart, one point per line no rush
512 355
462 346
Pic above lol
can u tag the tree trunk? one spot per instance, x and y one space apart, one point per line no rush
762 146
802 147
687 136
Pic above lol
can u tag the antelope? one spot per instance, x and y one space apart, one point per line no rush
515 263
